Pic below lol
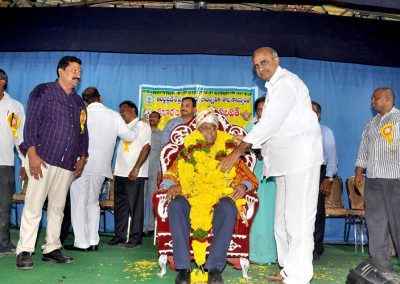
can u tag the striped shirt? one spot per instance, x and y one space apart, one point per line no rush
56 125
380 155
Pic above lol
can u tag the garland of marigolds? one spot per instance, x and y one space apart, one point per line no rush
203 185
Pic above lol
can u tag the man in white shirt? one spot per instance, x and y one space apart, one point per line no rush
12 119
290 137
104 126
131 170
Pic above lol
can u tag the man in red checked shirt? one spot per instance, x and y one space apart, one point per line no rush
56 148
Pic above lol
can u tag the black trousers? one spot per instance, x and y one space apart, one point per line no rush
7 184
319 230
129 201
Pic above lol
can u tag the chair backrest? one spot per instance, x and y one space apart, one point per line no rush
356 194
109 203
170 151
333 199
24 186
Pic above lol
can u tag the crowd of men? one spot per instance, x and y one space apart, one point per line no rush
53 143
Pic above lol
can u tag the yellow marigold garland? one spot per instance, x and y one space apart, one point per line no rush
203 185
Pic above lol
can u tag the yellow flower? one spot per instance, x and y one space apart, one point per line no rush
202 184
199 251
198 276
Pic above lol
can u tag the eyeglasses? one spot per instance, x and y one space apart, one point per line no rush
263 63
208 128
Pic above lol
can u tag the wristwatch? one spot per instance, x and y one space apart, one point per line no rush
330 178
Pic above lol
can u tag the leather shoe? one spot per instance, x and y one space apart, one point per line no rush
275 277
115 241
316 255
130 245
214 276
183 276
93 248
24 260
72 247
57 256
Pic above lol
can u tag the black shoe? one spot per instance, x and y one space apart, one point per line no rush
130 245
150 233
316 255
183 276
114 241
72 247
24 260
7 251
57 256
214 276
93 248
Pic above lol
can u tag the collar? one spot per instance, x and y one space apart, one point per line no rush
394 109
6 96
95 104
274 77
73 91
133 122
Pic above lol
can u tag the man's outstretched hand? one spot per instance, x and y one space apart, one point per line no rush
173 191
239 191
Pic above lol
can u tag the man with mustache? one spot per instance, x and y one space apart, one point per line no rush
188 111
56 147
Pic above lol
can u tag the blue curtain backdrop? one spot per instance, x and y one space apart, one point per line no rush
343 90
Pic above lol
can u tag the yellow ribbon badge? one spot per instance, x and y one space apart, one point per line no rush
126 145
82 119
13 123
387 132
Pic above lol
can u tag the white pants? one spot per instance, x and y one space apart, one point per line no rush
54 185
295 209
85 210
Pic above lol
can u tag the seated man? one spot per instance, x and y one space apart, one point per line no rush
201 195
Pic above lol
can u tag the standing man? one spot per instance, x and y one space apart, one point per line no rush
12 119
291 142
328 170
56 147
188 111
131 170
104 126
151 184
379 154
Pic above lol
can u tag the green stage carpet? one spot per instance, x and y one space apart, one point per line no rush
112 264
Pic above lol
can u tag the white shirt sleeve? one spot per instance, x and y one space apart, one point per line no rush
274 113
123 131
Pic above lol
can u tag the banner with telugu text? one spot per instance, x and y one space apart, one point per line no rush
236 103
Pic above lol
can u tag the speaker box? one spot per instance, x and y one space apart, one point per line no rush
368 272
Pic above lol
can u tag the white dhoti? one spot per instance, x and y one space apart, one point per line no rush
85 210
295 209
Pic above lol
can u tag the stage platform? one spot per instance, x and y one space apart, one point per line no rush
112 264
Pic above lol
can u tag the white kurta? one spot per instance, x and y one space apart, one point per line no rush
288 131
290 137
104 126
